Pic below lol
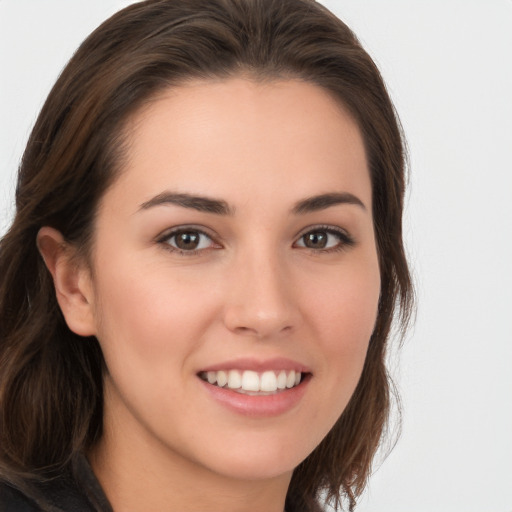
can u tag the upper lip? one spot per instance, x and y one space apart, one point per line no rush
258 365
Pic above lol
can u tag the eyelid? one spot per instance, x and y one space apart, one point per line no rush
170 232
346 239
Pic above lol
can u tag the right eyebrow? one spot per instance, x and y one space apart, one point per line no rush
194 202
324 201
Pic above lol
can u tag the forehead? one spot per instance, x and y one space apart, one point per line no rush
244 140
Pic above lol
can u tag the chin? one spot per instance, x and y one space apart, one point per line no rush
257 470
259 461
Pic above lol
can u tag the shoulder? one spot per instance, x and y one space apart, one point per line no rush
56 496
12 500
75 489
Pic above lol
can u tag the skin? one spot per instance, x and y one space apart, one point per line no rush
253 289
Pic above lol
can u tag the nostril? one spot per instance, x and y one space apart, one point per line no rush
251 317
261 332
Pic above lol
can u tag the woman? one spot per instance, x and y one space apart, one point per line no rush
203 269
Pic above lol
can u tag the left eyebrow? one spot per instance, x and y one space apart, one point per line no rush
324 201
194 202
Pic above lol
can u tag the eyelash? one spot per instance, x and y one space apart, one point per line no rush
165 241
345 240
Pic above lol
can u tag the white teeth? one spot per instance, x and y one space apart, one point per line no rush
222 378
281 380
268 382
234 379
290 380
251 381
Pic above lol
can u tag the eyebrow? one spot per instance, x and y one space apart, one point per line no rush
199 203
221 207
324 201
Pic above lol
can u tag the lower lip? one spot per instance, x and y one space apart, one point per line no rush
258 405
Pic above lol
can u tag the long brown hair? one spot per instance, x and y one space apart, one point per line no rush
51 395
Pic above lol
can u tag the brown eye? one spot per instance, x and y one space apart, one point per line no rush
324 239
189 240
315 240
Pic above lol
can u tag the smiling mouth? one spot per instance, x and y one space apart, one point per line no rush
254 383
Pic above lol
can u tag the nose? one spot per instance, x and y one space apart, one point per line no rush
260 301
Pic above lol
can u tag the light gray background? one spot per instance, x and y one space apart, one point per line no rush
448 67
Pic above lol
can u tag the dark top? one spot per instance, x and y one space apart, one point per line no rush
78 491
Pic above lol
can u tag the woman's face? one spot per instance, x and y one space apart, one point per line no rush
237 244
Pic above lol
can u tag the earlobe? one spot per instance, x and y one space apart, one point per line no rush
71 280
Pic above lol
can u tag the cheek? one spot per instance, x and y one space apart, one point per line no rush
149 328
345 307
145 312
343 311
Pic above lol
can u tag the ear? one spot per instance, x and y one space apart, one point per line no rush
72 281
